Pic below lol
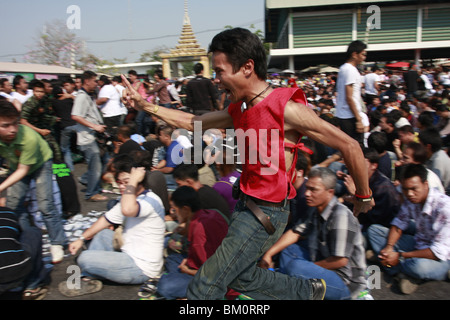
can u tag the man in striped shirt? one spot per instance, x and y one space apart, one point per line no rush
21 257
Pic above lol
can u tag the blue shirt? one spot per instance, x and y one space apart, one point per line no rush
174 155
432 223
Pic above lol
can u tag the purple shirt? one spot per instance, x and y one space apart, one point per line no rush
432 223
224 187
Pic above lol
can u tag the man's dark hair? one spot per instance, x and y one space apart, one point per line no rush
67 80
405 106
431 137
160 74
375 117
414 170
419 152
132 72
186 171
7 109
186 196
16 80
117 79
3 81
241 45
441 107
378 141
395 114
125 131
406 129
87 75
372 155
198 68
105 79
426 119
390 119
356 46
126 162
38 84
56 91
303 163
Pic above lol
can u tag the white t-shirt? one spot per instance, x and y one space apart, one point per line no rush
7 96
143 235
369 81
348 74
113 106
120 89
22 98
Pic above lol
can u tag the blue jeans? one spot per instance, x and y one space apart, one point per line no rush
102 262
66 136
295 261
31 240
234 264
95 163
167 105
418 268
173 284
44 196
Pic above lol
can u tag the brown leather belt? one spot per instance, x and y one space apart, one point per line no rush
252 203
263 203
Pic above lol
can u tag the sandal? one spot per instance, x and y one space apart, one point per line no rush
87 286
35 294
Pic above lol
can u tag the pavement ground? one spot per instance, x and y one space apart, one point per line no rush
385 287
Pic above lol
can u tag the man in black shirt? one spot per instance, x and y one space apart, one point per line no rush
201 94
62 105
411 80
126 143
187 175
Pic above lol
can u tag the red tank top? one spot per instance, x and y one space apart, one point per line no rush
260 136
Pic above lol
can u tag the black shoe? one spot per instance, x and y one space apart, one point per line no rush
318 288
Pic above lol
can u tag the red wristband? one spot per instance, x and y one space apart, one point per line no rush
363 197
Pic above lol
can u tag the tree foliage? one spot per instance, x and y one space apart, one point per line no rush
56 45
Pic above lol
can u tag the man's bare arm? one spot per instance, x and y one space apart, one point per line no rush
176 118
304 120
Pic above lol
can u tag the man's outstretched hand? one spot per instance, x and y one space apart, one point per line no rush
130 97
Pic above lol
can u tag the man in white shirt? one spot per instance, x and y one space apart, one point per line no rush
6 90
371 84
109 103
117 83
21 93
348 105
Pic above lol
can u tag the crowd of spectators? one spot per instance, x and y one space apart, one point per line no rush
183 206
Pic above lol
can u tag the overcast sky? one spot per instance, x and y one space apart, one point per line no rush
112 20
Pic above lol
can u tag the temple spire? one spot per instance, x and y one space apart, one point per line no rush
187 20
188 49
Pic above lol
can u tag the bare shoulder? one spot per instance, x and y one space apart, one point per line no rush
298 115
216 119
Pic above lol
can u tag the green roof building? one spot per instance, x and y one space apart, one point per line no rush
307 33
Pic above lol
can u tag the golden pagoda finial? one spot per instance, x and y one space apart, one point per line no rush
186 20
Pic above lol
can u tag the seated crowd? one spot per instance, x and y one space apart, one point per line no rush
174 208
